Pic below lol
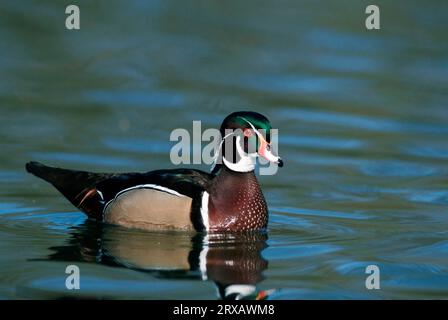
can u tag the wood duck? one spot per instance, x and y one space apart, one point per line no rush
227 199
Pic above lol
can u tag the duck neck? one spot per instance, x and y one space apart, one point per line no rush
229 181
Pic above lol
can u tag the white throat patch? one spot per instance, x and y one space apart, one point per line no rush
247 161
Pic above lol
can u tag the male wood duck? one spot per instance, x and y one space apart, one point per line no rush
227 199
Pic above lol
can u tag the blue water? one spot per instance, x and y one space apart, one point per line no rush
362 118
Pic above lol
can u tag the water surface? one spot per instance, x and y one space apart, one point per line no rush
363 124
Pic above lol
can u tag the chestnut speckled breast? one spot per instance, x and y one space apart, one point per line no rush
237 203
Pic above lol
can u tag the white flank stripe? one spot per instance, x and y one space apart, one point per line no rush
204 210
100 193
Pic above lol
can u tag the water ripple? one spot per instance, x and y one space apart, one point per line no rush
319 213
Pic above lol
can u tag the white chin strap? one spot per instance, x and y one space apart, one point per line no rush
247 161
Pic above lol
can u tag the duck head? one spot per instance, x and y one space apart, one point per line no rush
245 136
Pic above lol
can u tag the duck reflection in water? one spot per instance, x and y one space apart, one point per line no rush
233 261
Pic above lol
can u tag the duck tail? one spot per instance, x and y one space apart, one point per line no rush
75 185
39 170
58 177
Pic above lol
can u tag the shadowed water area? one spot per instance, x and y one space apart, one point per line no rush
363 126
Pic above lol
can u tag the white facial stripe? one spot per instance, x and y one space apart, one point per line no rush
219 150
253 128
204 210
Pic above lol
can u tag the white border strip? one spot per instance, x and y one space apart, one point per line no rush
204 210
143 186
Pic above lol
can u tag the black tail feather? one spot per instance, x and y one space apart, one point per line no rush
42 171
73 184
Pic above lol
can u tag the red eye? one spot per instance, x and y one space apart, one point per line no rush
248 133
